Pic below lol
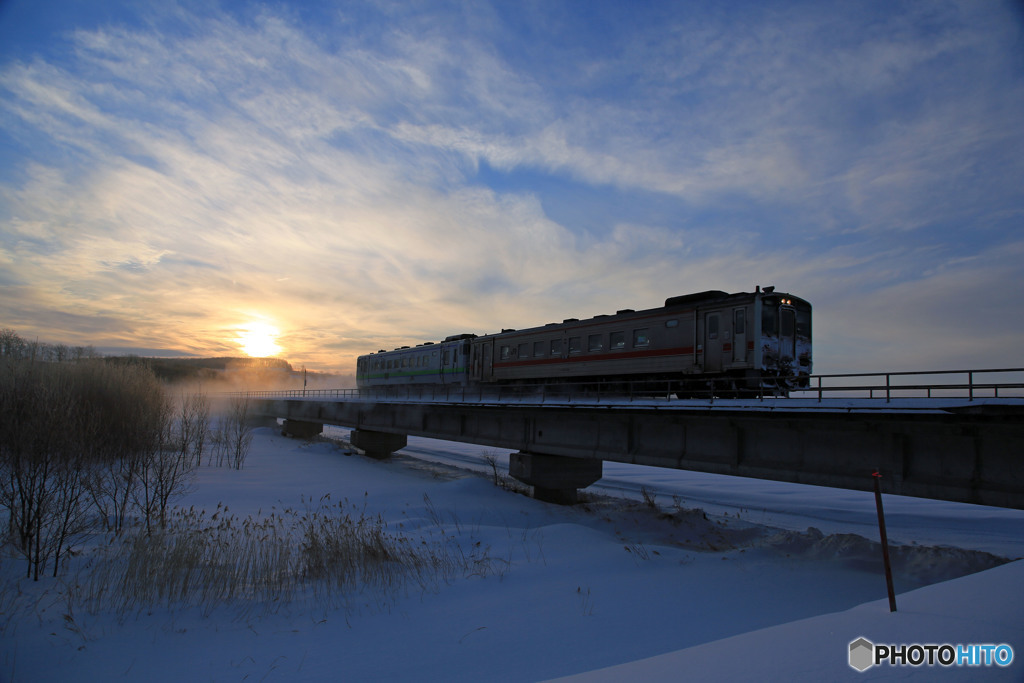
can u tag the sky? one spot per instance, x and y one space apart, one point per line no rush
319 180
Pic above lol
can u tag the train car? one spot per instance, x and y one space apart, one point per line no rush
742 342
429 363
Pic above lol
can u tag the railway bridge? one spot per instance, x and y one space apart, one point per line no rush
967 449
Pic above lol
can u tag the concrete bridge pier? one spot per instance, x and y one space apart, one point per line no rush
301 429
554 478
378 445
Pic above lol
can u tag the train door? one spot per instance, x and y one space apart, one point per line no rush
712 342
739 335
487 361
446 364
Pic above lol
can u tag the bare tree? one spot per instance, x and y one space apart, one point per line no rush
201 418
233 435
165 470
41 461
127 424
11 345
241 432
193 425
79 437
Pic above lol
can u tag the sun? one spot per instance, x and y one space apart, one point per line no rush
259 340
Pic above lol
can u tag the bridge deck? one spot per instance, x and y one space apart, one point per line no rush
950 449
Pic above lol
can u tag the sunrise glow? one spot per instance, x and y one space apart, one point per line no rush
259 340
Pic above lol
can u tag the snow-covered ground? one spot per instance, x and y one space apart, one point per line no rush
723 581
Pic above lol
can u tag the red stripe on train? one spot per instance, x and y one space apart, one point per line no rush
607 355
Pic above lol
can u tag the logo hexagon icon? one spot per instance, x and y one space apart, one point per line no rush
862 654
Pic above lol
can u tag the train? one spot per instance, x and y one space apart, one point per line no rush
711 341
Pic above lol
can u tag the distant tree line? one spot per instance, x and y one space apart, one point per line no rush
13 346
89 444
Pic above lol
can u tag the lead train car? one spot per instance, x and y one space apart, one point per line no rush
743 342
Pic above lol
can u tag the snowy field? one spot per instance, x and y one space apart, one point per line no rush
721 579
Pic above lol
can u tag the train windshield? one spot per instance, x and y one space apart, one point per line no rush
786 319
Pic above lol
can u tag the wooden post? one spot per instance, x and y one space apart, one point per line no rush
885 542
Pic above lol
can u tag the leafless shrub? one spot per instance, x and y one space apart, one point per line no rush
492 459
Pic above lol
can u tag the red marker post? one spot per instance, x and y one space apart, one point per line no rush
885 541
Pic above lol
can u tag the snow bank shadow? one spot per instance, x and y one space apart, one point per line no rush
918 564
693 529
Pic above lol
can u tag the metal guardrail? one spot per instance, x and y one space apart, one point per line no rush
969 384
961 384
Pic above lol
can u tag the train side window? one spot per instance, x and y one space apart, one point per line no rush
575 344
556 347
739 324
642 337
524 350
595 342
713 326
538 348
506 352
617 340
672 323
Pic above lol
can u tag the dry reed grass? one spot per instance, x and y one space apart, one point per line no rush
332 554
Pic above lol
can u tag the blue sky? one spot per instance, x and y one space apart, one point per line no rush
355 176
